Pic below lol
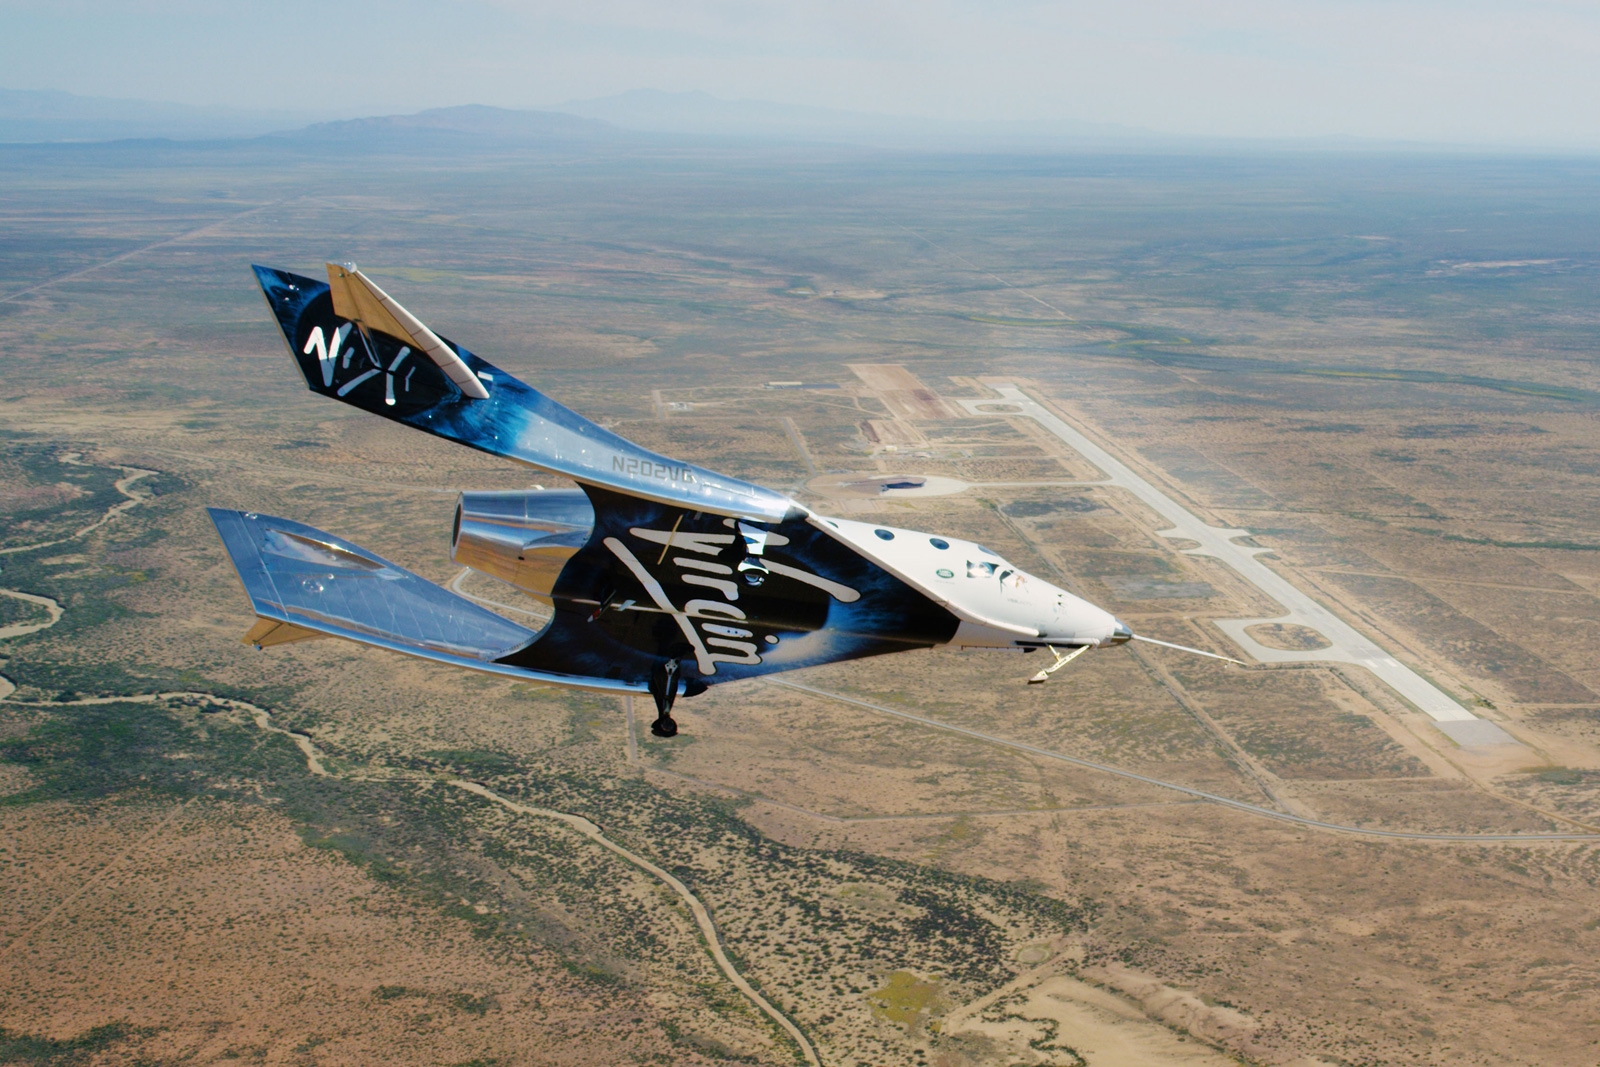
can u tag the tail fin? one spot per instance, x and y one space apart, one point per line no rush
353 342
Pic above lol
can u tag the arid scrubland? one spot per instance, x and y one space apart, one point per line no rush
1383 368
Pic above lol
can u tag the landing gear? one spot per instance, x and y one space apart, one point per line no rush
1061 661
753 567
664 687
755 572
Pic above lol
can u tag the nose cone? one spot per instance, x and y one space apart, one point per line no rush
1121 634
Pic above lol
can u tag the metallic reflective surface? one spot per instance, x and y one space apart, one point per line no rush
523 538
304 577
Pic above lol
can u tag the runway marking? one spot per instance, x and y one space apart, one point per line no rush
1346 644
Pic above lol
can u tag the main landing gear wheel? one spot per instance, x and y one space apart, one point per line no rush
664 687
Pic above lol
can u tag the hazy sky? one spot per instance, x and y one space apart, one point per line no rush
1462 70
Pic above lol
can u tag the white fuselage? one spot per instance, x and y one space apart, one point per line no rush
998 604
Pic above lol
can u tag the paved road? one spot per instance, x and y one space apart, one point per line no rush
1346 644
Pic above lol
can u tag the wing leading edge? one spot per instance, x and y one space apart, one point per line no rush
353 342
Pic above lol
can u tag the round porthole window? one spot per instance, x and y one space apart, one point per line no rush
887 535
943 573
938 542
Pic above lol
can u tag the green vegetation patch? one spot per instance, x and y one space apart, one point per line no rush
46 497
472 763
905 999
89 751
14 611
1032 509
34 1050
1567 776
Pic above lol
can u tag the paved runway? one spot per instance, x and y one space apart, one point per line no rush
1346 644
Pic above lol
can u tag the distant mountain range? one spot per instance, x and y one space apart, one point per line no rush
640 116
28 116
471 123
654 111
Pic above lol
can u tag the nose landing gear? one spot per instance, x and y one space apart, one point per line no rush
664 687
1061 661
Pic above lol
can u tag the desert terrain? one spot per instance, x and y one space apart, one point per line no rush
1382 368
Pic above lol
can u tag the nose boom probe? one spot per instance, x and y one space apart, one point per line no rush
1062 661
1186 648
